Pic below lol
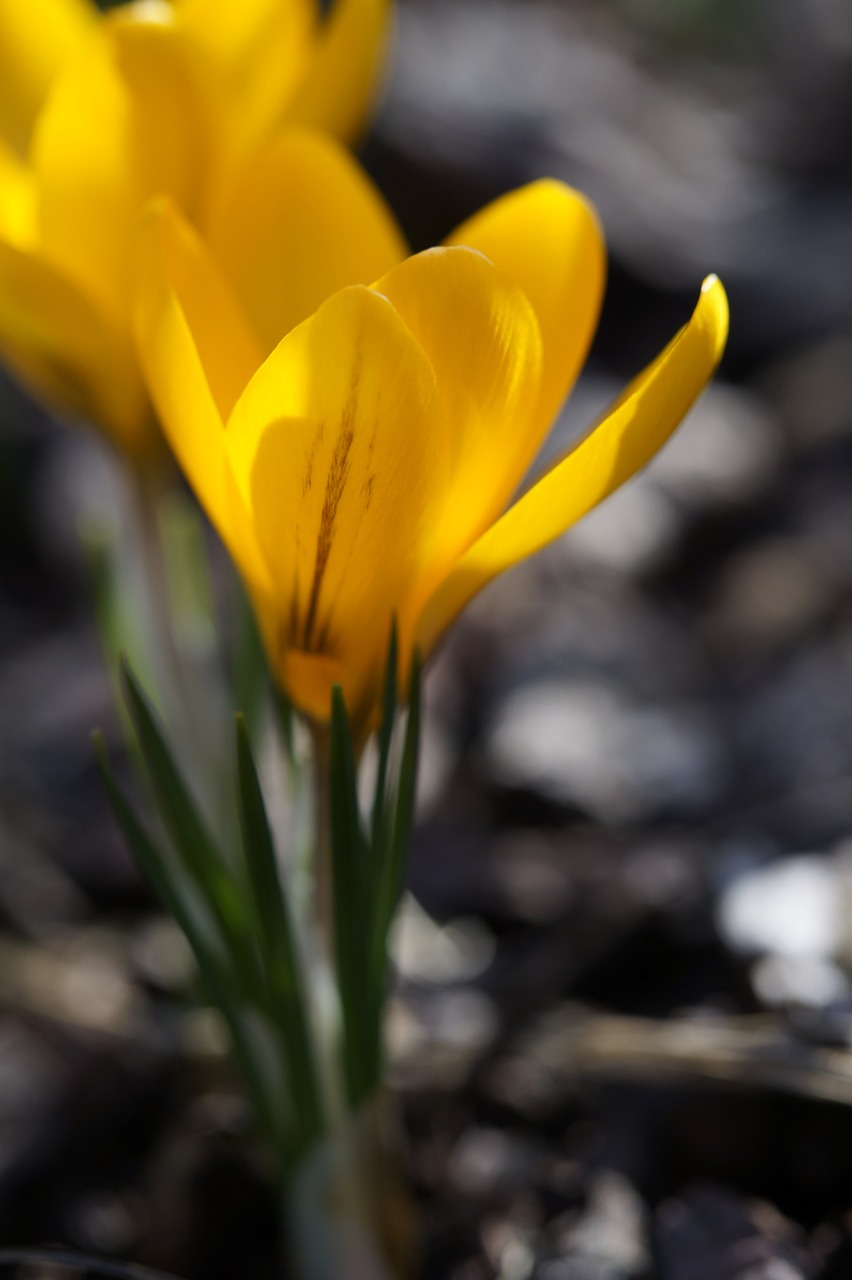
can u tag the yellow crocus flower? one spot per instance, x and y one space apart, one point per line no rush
360 463
98 114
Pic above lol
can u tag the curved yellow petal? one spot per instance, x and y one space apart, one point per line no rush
623 442
259 50
58 343
343 76
197 354
547 237
123 123
18 199
337 446
234 31
303 222
482 339
37 39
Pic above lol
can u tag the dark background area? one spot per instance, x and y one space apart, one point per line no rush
625 1054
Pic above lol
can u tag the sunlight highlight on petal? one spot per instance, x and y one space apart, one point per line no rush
482 339
547 237
624 441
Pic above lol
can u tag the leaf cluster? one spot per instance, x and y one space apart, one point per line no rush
234 907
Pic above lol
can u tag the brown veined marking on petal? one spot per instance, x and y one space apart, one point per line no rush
338 474
367 486
307 483
322 637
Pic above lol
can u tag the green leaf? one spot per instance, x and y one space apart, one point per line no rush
192 841
407 791
385 738
278 950
248 669
116 611
190 590
285 717
213 973
146 853
350 886
390 880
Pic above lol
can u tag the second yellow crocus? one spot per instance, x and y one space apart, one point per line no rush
98 114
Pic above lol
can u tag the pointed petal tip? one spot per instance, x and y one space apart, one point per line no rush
713 301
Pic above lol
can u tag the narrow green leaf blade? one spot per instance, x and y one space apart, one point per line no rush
349 873
193 842
213 973
279 949
144 850
385 737
392 873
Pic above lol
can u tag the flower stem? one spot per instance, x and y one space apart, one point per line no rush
323 888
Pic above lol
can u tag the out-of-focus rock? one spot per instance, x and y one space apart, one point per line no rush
608 1240
425 951
435 1036
807 982
486 1161
811 390
589 745
791 908
791 917
712 1234
774 592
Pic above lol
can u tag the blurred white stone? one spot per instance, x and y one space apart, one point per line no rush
631 532
792 908
485 1160
590 745
811 981
429 952
610 1238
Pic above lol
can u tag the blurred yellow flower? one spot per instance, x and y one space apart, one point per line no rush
99 113
360 463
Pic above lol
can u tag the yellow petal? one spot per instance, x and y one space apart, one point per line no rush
122 124
342 78
259 50
338 447
37 38
234 31
548 239
58 343
197 354
624 441
482 339
303 222
18 199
